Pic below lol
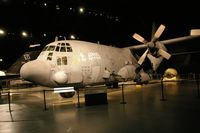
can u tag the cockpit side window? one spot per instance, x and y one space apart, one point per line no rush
64 60
50 54
51 48
49 57
45 48
59 61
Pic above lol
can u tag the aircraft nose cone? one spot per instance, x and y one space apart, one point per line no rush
60 77
35 71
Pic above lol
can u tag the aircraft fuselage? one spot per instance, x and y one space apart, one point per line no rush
69 62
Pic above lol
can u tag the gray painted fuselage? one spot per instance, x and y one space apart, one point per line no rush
85 63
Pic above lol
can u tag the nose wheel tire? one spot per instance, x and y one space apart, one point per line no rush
67 94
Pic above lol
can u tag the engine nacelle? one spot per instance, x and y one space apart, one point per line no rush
127 72
142 78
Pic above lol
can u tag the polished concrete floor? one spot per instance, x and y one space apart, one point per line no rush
144 111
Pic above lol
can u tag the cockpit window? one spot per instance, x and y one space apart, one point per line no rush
45 48
63 49
51 48
69 49
63 44
57 48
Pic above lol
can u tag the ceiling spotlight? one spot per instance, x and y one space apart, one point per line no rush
81 10
45 4
44 34
24 34
72 37
57 7
2 32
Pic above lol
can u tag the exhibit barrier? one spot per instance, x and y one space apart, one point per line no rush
186 78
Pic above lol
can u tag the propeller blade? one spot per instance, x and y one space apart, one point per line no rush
139 38
158 32
164 54
142 58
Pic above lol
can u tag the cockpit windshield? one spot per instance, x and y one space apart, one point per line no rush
61 47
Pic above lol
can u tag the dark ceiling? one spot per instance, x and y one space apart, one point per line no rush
106 21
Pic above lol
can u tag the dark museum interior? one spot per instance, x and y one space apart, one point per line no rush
107 22
75 86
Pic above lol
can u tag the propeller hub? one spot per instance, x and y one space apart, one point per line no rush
151 45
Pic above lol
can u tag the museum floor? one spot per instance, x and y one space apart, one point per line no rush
144 111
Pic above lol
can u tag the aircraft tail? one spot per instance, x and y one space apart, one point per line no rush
27 56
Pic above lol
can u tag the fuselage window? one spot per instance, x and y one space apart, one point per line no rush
63 49
57 48
59 61
64 60
51 48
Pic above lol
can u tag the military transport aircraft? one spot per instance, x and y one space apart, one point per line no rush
74 63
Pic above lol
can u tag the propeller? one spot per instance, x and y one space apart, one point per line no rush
154 47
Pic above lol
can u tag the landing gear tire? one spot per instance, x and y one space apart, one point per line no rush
115 85
67 94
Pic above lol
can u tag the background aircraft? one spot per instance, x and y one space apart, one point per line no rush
67 63
12 73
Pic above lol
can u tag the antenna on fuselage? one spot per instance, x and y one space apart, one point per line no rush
56 38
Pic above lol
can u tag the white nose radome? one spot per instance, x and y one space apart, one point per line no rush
35 71
60 77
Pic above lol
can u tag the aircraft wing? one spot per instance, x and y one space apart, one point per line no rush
169 41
